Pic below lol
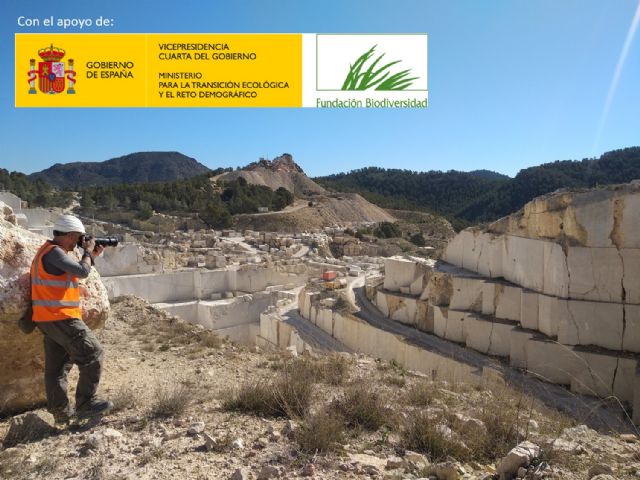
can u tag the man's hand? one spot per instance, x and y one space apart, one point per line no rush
89 245
98 250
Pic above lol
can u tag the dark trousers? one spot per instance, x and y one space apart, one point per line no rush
69 342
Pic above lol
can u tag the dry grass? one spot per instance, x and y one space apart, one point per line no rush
288 396
332 369
395 380
17 469
210 340
320 432
151 455
421 433
124 398
170 401
421 394
363 407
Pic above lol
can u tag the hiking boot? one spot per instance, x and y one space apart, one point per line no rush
93 408
62 417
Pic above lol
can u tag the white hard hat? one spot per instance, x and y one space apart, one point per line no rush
68 223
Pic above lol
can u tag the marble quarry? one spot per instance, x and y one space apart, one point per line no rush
553 289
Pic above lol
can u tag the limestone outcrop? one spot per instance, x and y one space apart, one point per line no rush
553 288
22 360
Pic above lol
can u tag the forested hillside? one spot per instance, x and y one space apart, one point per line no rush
37 193
133 168
213 204
477 196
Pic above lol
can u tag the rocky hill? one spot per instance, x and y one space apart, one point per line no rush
316 212
138 167
283 171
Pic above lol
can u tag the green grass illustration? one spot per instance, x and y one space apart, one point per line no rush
381 78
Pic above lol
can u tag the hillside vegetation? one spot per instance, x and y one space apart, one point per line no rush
473 197
37 192
138 167
213 204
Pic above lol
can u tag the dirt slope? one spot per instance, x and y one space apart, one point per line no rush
326 210
281 172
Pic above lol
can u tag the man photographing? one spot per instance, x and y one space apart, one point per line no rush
55 294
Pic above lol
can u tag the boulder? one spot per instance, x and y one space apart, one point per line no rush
28 427
22 360
519 456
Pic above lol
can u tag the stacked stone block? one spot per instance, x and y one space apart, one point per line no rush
554 288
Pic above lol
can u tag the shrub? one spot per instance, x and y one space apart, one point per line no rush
422 434
421 394
362 407
288 396
124 398
170 401
320 432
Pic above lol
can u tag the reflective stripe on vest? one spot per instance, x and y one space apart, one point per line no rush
53 297
54 303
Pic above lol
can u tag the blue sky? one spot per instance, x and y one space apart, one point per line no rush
512 84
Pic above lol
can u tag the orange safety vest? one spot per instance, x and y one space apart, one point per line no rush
54 297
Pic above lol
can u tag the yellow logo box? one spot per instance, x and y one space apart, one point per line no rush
158 70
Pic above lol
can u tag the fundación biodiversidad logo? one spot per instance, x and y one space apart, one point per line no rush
51 72
371 70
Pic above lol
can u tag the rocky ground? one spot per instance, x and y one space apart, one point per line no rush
192 406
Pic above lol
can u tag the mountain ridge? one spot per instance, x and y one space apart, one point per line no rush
138 167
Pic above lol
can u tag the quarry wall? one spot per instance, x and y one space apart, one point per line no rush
553 289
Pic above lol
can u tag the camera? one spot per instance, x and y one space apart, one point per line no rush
103 241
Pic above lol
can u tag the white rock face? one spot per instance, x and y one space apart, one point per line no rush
554 288
22 359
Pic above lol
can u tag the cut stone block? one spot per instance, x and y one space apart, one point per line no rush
596 218
489 293
440 316
453 252
402 272
508 302
603 374
556 271
524 262
472 249
594 374
551 310
550 361
636 396
625 375
478 333
417 286
381 303
519 343
630 223
449 324
592 323
631 280
467 293
402 309
324 320
486 336
424 317
529 310
631 340
595 274
492 253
